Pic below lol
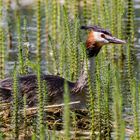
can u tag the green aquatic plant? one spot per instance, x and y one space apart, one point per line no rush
20 49
54 34
90 98
39 31
94 12
2 52
40 101
9 34
67 46
25 114
135 107
75 9
39 83
74 50
15 115
117 106
25 71
85 10
66 122
130 36
26 46
98 91
130 21
107 108
101 13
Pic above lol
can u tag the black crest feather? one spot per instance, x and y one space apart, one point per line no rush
97 29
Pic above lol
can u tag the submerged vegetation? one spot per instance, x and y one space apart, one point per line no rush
46 37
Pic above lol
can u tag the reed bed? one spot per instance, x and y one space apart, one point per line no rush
53 29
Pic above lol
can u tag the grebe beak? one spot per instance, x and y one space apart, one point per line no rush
114 40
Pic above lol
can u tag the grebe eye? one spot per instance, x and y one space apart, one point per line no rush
102 35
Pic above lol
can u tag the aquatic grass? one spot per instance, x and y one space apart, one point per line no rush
39 83
130 36
120 12
66 122
52 50
48 49
98 91
2 50
25 30
130 21
135 107
112 22
67 43
54 19
94 12
101 13
54 34
75 9
85 14
25 71
64 44
113 17
33 136
9 34
46 2
90 100
15 115
107 109
117 106
20 49
38 31
119 25
74 50
25 114
62 59
26 46
106 13
44 92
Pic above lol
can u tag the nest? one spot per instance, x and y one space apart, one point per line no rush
80 122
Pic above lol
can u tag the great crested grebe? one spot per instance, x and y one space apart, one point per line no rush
97 37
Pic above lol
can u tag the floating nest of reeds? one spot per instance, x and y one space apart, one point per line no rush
80 122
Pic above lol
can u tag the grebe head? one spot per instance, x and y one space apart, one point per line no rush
98 37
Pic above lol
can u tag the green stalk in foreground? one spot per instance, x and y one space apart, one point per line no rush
98 90
135 108
15 105
2 56
40 94
20 49
90 99
107 116
66 112
117 101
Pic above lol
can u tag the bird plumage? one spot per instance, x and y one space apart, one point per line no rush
27 85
